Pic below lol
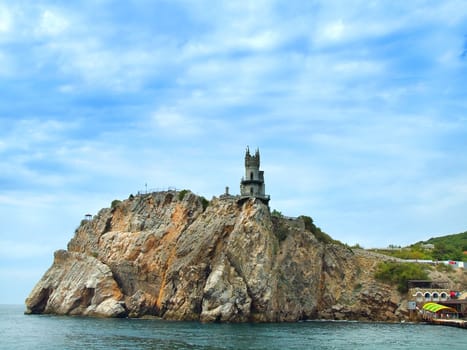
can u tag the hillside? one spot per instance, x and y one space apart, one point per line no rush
450 247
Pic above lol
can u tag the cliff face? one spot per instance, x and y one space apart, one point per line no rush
163 255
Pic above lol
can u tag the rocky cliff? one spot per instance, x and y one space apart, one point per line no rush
164 254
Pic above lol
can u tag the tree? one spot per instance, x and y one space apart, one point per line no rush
276 213
400 273
444 251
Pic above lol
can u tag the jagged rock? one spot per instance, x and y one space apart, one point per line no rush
109 308
225 295
77 284
165 255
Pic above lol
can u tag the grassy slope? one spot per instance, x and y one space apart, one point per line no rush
449 247
458 240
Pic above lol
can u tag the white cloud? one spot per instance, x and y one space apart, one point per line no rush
236 28
92 62
67 88
342 23
358 68
52 23
6 20
171 122
333 31
259 41
38 131
232 78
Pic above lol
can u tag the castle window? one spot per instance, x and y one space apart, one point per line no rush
251 190
251 176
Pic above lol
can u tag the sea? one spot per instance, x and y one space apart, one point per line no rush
19 331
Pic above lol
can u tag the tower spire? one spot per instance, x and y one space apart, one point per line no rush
252 184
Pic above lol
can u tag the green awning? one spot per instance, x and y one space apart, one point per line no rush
433 307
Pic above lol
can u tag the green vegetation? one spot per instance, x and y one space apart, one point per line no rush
115 203
355 246
182 194
309 224
357 288
204 202
450 247
280 228
444 268
444 251
415 252
316 231
276 213
281 233
400 273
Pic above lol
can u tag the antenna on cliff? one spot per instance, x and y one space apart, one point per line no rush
146 185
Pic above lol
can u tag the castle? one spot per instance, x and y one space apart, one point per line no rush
252 184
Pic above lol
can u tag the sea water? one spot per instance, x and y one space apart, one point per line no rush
19 331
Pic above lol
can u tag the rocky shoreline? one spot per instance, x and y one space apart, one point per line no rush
167 255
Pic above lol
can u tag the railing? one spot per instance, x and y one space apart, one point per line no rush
151 190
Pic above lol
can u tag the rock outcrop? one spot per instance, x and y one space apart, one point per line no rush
164 254
77 284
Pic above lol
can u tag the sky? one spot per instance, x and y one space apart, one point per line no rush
358 109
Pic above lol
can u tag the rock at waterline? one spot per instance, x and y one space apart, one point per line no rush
166 255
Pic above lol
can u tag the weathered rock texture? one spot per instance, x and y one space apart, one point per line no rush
163 254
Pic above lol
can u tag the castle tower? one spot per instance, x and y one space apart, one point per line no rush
252 184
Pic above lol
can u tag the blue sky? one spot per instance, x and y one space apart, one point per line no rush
358 108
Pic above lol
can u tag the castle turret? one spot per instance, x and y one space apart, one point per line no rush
252 184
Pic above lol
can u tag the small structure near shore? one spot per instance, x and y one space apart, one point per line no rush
435 304
423 291
442 315
459 304
434 310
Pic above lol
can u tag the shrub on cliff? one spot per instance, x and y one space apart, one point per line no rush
280 228
204 202
276 213
400 273
115 203
182 194
317 232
